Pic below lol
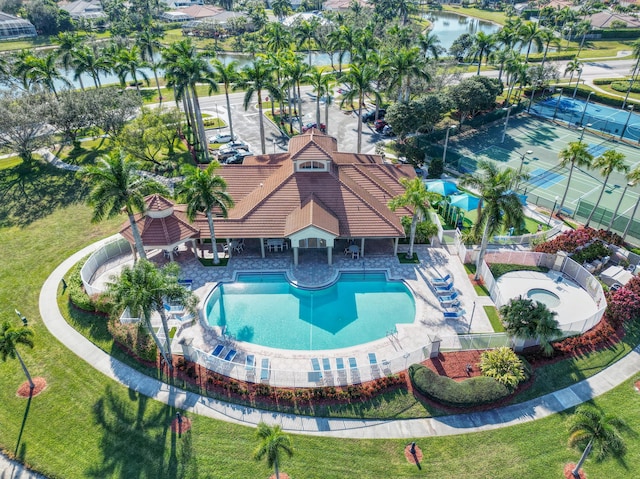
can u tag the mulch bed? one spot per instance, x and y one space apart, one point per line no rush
454 365
413 458
25 392
568 469
637 386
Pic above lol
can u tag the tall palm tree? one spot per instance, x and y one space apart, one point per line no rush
87 59
39 70
144 288
148 40
528 319
297 72
116 187
548 37
281 8
359 80
483 44
428 43
530 33
273 443
405 65
127 62
228 75
633 177
257 78
501 57
592 429
636 53
417 198
608 162
204 191
67 43
185 68
574 154
320 84
499 204
10 337
305 34
572 67
277 37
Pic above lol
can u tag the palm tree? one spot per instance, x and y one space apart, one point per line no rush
36 70
257 78
144 288
636 54
87 60
117 187
608 162
273 442
499 204
297 72
228 75
428 43
483 43
528 319
575 154
277 37
67 43
359 80
320 84
10 337
600 432
417 198
148 40
572 67
305 34
633 177
501 57
127 62
530 33
281 8
204 191
548 37
405 65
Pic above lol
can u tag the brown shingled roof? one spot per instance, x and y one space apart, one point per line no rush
312 213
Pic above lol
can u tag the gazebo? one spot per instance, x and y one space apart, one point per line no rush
161 227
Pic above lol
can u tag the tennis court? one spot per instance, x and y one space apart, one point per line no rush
532 144
576 112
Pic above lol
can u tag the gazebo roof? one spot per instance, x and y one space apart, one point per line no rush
160 232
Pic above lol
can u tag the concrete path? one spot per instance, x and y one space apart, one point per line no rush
353 428
10 469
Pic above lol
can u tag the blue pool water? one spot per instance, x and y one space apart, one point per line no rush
266 309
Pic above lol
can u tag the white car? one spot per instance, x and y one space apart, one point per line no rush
221 138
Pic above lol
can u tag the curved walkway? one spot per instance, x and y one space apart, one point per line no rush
348 428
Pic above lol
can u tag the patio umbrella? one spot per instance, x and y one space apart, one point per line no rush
464 201
522 198
444 188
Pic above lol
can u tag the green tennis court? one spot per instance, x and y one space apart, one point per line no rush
533 145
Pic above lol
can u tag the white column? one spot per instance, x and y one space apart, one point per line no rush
262 247
228 247
362 247
195 248
329 255
395 246
295 256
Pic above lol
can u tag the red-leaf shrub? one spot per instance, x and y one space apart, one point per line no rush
622 305
569 241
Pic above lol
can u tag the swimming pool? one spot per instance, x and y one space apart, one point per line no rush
544 296
266 309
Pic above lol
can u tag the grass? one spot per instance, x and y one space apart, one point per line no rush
10 162
480 289
489 15
404 259
85 425
494 319
209 261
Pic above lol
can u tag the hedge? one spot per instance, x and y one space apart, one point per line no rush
80 299
623 86
498 269
470 392
618 33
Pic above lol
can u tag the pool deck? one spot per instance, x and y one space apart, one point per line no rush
409 344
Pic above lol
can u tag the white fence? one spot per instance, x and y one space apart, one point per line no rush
527 238
103 258
471 342
363 371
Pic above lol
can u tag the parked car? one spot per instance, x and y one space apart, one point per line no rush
225 153
370 115
238 158
221 138
239 145
387 131
308 126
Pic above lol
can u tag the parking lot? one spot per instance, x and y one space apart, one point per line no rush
342 124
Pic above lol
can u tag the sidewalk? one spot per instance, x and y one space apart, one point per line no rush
347 428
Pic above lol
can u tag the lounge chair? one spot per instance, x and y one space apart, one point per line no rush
559 280
230 355
265 369
454 314
339 364
326 364
353 364
448 299
444 289
186 283
441 281
250 362
218 349
373 360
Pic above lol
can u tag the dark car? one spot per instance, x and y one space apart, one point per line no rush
224 154
370 115
309 126
238 158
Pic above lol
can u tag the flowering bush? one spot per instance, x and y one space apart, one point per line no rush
622 305
569 241
504 366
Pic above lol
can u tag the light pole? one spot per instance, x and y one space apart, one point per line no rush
615 213
584 110
555 110
533 94
218 117
624 128
582 130
274 146
553 210
506 122
524 155
446 143
635 208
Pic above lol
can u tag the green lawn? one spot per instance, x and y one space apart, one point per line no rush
85 425
9 162
494 319
495 16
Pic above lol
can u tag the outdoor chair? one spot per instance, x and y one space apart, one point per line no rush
444 281
218 349
315 364
326 364
373 360
454 314
339 364
265 369
353 364
448 299
444 289
230 355
250 362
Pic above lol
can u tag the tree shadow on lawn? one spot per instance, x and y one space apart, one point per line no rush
137 439
31 193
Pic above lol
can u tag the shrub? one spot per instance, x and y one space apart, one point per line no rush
504 366
80 299
498 269
592 252
571 240
134 337
623 86
470 392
